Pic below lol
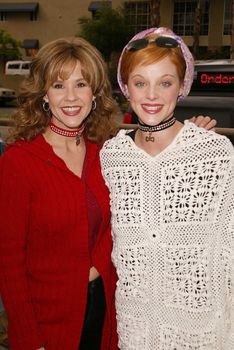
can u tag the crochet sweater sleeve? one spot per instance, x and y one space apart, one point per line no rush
227 256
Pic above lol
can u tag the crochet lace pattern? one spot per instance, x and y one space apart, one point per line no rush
173 241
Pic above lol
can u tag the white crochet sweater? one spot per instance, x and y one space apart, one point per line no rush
173 241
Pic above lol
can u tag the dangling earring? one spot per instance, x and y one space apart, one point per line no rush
94 105
46 106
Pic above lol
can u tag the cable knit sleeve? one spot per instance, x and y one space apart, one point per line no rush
14 218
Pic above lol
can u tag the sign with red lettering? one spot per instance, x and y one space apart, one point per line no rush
215 80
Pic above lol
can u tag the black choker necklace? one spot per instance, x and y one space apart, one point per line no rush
68 133
161 126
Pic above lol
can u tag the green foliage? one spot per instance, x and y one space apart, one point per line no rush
108 30
9 47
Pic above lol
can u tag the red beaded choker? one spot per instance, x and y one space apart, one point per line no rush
68 133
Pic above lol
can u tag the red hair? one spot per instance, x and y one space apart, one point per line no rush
149 55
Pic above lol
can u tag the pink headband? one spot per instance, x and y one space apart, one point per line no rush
162 31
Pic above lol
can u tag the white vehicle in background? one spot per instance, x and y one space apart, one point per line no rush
17 67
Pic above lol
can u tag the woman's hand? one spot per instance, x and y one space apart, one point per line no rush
41 349
205 122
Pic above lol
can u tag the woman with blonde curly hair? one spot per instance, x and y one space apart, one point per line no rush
56 277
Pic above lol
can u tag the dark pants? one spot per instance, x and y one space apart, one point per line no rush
94 316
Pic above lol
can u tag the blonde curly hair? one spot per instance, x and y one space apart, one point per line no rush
58 58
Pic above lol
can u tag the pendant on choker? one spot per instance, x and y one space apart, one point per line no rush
150 129
68 133
149 138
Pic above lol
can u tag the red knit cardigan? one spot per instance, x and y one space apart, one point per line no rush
44 255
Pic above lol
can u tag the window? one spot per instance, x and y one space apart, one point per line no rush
31 47
227 29
184 12
7 9
138 14
25 66
96 5
14 66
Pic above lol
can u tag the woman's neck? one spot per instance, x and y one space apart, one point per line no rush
156 142
60 141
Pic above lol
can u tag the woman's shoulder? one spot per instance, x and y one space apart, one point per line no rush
14 149
117 141
194 134
21 152
20 146
13 160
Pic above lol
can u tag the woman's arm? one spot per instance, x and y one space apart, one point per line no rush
15 199
229 248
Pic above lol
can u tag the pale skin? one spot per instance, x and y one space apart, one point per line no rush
70 102
153 91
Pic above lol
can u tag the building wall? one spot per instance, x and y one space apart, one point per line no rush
58 18
166 9
215 38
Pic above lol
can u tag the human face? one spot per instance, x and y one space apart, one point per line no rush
153 91
70 100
